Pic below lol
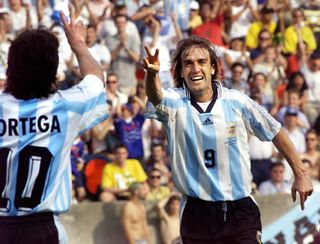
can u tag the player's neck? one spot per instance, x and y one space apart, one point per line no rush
204 97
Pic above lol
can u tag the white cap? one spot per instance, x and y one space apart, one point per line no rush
194 5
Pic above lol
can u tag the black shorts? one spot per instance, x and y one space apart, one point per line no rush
205 222
29 229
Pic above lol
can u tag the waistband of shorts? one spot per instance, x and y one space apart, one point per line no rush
220 204
27 219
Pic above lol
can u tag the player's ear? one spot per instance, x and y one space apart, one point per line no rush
213 70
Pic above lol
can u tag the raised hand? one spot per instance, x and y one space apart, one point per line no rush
151 63
75 32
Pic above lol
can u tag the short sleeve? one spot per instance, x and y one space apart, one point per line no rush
86 102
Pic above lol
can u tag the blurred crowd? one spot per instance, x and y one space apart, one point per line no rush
269 50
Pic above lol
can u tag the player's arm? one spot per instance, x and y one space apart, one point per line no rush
75 32
153 85
302 182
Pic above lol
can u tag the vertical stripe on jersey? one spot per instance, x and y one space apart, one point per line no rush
208 133
9 192
174 136
59 161
29 107
190 153
234 154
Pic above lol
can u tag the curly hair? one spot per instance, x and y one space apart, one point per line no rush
183 47
32 64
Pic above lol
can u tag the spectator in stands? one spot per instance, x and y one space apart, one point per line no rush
296 135
262 88
212 18
265 22
236 81
44 13
237 53
156 192
168 210
296 60
293 129
159 160
108 27
273 65
311 11
162 33
138 10
194 17
138 105
119 175
5 39
65 78
298 30
312 153
78 152
277 183
128 128
180 8
242 14
140 92
101 133
99 9
264 41
22 15
134 216
116 97
311 72
84 12
294 101
261 153
99 51
315 181
298 84
125 54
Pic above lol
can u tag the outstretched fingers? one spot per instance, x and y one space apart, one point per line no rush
154 56
148 51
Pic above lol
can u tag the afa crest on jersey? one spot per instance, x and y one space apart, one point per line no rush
231 133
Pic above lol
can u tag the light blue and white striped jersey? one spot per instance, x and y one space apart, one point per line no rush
210 150
35 141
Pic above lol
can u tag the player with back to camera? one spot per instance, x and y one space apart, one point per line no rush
38 126
207 128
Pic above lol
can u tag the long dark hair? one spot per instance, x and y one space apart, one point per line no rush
32 64
183 46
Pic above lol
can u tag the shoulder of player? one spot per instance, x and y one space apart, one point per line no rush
90 85
232 94
174 92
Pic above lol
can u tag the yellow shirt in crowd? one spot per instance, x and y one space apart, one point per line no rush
121 177
253 33
291 39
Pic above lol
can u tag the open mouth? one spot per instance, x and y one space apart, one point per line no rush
196 78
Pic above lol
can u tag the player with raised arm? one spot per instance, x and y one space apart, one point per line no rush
207 129
38 125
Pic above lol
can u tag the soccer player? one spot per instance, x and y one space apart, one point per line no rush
207 127
38 125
